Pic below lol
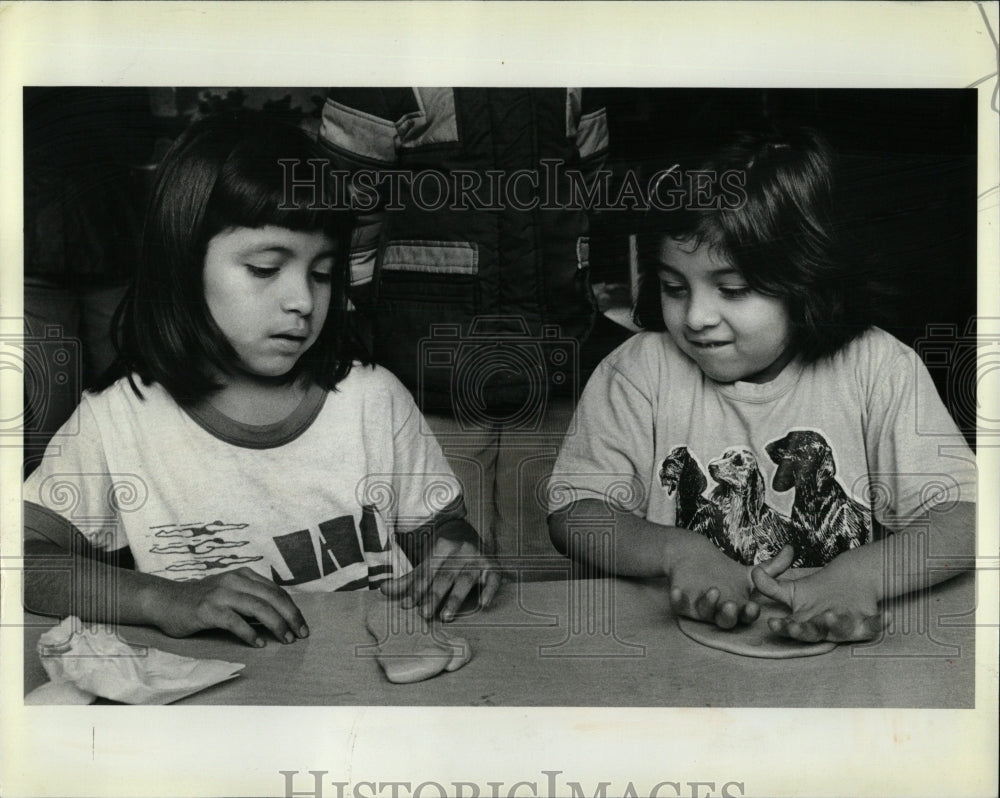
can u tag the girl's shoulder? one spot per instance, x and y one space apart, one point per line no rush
368 375
370 381
872 351
646 355
128 393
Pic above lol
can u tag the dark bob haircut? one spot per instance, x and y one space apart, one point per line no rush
778 224
222 172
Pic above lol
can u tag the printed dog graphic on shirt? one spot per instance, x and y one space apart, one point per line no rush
680 474
825 520
756 530
735 516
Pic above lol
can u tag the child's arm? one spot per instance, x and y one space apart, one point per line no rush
99 591
444 577
840 602
705 584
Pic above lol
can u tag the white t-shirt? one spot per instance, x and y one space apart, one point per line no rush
808 458
312 501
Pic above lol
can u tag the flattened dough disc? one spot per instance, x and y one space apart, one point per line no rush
755 640
409 650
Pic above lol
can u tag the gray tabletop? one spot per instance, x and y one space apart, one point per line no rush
599 642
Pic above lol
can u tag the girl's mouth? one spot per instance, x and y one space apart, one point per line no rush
289 342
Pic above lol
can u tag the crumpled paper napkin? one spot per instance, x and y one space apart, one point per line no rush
84 661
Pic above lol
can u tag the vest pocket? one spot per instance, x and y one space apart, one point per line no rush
432 257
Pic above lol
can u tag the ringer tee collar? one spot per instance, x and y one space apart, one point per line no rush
765 391
260 436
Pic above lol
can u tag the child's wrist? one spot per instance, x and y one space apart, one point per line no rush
677 545
151 597
858 569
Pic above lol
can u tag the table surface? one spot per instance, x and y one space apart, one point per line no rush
586 642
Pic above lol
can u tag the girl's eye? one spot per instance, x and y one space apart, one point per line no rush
673 289
734 291
322 277
262 271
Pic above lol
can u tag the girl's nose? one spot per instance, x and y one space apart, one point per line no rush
701 312
297 295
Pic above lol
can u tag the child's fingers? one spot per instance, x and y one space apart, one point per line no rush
805 631
780 562
781 590
467 579
430 572
442 584
254 584
230 620
845 627
706 604
750 612
472 574
840 627
836 627
260 610
727 615
411 587
394 588
490 580
679 602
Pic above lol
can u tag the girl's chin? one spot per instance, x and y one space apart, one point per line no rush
264 376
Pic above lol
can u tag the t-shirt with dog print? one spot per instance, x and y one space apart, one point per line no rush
827 456
311 502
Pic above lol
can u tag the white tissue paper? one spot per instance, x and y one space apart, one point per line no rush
92 660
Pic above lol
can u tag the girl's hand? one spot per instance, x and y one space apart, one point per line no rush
444 578
829 604
708 586
232 601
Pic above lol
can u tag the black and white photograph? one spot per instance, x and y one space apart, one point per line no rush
501 438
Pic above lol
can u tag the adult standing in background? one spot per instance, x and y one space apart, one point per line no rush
471 264
81 227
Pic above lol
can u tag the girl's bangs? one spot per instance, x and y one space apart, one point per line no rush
258 193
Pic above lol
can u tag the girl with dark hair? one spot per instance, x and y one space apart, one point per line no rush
244 448
764 421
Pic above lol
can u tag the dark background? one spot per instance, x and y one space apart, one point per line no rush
908 160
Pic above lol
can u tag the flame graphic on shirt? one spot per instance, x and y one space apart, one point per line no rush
198 547
210 563
195 530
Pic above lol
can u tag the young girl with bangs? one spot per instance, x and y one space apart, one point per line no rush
763 422
243 449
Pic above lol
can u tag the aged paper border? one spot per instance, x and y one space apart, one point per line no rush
203 751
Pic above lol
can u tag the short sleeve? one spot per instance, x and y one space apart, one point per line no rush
918 457
74 483
609 449
423 483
